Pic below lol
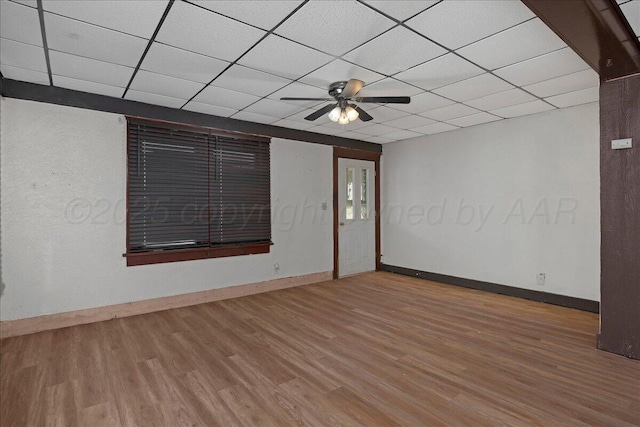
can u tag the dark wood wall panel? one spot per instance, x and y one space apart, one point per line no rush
620 218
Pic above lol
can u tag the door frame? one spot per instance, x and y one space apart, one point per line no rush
349 153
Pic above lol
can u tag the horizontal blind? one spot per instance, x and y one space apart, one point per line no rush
240 191
191 188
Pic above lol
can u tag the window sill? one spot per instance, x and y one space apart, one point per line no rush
158 257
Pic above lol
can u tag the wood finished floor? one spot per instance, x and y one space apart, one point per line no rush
375 349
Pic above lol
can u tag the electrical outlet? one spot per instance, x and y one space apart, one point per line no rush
324 206
276 267
540 278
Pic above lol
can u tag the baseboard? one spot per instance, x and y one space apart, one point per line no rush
10 328
565 301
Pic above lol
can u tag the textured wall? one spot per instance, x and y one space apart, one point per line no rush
62 224
499 202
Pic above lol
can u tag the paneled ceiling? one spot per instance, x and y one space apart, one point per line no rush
463 62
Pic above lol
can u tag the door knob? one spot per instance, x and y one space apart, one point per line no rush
341 223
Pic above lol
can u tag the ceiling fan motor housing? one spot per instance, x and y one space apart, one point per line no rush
335 89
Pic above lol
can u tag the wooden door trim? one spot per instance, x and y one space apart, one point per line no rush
347 153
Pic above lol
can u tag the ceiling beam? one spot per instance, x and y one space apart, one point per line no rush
596 30
73 98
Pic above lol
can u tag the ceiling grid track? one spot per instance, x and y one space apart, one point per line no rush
44 40
146 50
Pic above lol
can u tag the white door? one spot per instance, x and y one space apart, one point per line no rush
356 216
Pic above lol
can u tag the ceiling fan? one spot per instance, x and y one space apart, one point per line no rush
346 110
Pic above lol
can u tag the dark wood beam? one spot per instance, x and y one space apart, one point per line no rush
620 218
72 98
596 30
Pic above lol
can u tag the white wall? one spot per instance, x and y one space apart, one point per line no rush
62 224
437 187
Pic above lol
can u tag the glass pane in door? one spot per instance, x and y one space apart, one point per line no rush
364 194
349 214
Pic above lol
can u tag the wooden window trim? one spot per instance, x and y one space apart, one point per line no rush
173 255
190 254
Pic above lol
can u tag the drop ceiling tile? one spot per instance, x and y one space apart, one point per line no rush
394 51
501 99
474 119
293 124
299 117
458 23
198 30
569 83
150 98
534 37
327 130
329 26
337 71
22 55
383 113
263 14
225 98
247 80
180 63
475 87
270 107
20 23
15 73
435 128
86 86
78 38
300 90
353 135
89 70
214 110
30 3
254 117
543 67
377 129
400 9
401 134
578 97
450 112
409 122
440 72
389 87
137 17
160 84
378 139
532 107
631 11
423 102
284 58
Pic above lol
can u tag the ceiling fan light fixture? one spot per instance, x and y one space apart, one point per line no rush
352 113
344 119
334 114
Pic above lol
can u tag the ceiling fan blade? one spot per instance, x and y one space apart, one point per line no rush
324 110
363 115
385 99
286 98
353 86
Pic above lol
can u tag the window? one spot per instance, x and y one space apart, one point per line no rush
195 193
